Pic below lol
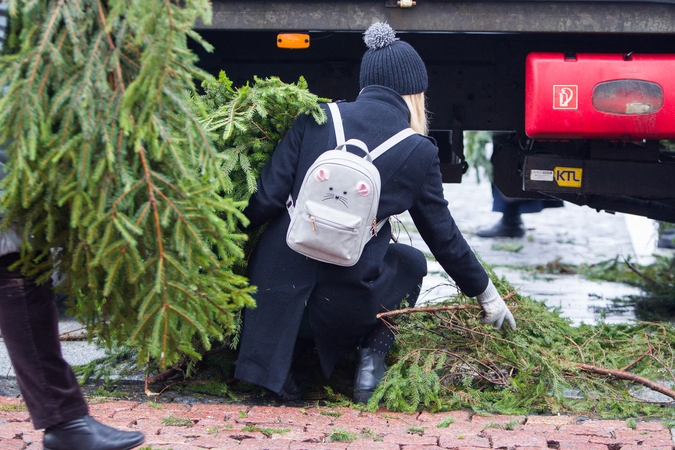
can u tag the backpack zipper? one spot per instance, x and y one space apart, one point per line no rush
330 223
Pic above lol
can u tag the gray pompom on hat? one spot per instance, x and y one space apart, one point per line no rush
391 62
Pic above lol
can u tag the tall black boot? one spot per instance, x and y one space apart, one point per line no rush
508 226
369 373
84 433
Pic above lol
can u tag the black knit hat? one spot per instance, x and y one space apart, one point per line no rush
391 62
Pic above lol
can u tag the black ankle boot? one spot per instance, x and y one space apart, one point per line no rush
369 373
84 433
666 239
508 226
291 390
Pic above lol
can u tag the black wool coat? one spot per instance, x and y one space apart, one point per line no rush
342 301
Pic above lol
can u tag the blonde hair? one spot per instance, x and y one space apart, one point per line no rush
418 112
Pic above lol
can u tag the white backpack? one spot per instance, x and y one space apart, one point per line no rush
335 214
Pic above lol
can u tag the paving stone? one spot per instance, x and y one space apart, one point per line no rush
633 436
576 446
221 412
110 409
556 421
12 444
572 439
213 442
463 441
288 415
487 421
11 429
161 446
417 447
32 438
270 444
436 418
541 428
208 422
246 435
411 439
318 446
367 422
596 430
467 448
610 441
515 439
391 427
456 429
651 426
307 436
263 414
372 445
14 416
647 447
609 425
657 442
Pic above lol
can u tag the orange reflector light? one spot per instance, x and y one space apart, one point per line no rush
292 40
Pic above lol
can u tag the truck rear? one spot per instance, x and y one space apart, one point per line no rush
585 89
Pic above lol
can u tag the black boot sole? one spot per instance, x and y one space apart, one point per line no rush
129 447
291 396
362 397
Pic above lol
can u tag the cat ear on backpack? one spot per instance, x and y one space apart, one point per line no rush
322 174
362 188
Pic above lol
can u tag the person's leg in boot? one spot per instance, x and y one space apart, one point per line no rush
85 433
400 287
29 326
508 226
292 390
511 224
666 235
371 365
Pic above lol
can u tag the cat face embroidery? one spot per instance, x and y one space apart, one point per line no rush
322 175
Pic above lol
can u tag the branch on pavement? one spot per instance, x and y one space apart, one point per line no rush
628 376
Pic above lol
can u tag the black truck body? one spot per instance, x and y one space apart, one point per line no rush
475 52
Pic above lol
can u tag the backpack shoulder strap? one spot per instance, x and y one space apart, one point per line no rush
389 143
339 135
337 123
378 151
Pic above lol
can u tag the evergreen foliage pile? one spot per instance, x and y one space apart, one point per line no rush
249 122
113 174
447 359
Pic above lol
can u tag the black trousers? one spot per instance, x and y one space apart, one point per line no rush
29 325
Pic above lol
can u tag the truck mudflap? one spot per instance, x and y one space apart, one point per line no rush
627 97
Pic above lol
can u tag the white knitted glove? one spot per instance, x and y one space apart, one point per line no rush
494 307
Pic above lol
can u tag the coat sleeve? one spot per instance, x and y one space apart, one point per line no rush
276 177
440 232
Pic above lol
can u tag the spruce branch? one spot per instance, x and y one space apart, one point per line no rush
532 371
622 374
109 164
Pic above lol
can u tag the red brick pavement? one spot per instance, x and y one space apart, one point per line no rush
231 426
